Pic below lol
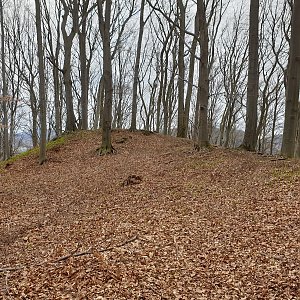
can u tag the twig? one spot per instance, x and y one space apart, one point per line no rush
11 269
6 286
176 247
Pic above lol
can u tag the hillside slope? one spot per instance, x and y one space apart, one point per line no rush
218 224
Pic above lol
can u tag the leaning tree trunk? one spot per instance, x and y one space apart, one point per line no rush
293 81
250 137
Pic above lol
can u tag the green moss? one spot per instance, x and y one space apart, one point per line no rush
14 158
285 174
80 134
198 163
56 143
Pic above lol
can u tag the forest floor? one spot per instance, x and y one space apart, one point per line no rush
213 224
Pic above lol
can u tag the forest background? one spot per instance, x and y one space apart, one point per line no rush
175 67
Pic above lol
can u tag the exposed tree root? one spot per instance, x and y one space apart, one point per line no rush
245 148
106 150
202 145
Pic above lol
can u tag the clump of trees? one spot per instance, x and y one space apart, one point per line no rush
218 71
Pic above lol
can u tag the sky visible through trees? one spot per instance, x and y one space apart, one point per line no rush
174 70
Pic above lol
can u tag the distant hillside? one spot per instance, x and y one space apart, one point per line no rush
22 141
155 220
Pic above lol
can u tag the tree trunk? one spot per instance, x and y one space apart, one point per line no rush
137 68
297 146
181 130
42 93
54 59
68 41
203 85
84 74
6 147
104 23
293 81
120 92
99 104
163 83
250 137
57 100
191 74
84 78
71 122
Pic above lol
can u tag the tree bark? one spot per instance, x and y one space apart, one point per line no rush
99 104
84 74
250 137
137 68
181 130
68 41
191 74
104 23
6 146
293 81
203 84
42 92
54 59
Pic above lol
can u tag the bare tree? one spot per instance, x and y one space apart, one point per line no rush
181 130
104 25
250 137
85 60
54 50
203 84
293 81
272 49
25 60
6 147
137 67
120 48
70 8
164 60
233 64
42 92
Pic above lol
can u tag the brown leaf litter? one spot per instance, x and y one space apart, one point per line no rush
214 224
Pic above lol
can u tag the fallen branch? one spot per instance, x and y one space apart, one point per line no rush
74 254
90 251
120 245
278 158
